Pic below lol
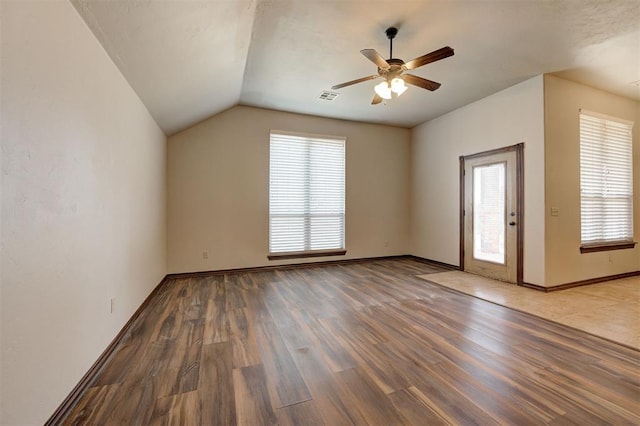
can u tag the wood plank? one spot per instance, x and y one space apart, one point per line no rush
415 408
285 383
332 397
304 413
361 346
181 409
334 352
358 343
253 405
181 365
216 326
375 407
215 385
92 408
243 339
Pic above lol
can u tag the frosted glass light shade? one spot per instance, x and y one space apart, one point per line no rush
398 86
383 90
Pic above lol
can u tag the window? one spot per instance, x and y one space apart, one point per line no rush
606 182
306 195
489 212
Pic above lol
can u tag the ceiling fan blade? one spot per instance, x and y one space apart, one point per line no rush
349 83
376 99
421 82
376 58
436 55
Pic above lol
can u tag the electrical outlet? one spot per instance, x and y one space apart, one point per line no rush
112 306
205 254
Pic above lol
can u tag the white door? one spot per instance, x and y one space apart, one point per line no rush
491 217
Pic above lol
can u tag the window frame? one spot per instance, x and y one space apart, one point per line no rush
604 245
308 139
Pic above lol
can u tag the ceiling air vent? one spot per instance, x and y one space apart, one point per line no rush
328 96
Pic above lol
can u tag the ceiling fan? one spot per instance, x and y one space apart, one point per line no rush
393 70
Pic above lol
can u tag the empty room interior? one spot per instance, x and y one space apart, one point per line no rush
319 212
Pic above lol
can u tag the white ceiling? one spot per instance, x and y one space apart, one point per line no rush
189 59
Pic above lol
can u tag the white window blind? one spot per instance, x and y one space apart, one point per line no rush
606 179
306 193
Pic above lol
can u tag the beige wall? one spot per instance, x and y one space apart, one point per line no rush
506 118
83 205
564 262
218 174
84 184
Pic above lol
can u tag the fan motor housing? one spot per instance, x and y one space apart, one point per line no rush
396 67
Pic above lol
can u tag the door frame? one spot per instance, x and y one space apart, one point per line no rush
519 150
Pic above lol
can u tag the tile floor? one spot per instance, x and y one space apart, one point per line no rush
610 309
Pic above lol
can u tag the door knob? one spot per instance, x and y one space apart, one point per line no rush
512 223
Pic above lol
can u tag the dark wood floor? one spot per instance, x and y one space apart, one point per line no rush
365 343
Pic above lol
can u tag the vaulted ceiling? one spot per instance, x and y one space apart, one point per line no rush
191 59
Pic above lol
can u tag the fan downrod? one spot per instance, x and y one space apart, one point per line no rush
391 33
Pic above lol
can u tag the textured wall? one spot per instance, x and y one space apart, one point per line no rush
563 100
218 174
506 118
83 205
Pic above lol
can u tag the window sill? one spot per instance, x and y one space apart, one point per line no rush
592 248
303 254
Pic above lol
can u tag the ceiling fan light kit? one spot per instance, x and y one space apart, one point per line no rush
385 88
393 71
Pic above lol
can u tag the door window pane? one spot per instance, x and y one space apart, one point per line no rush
489 213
